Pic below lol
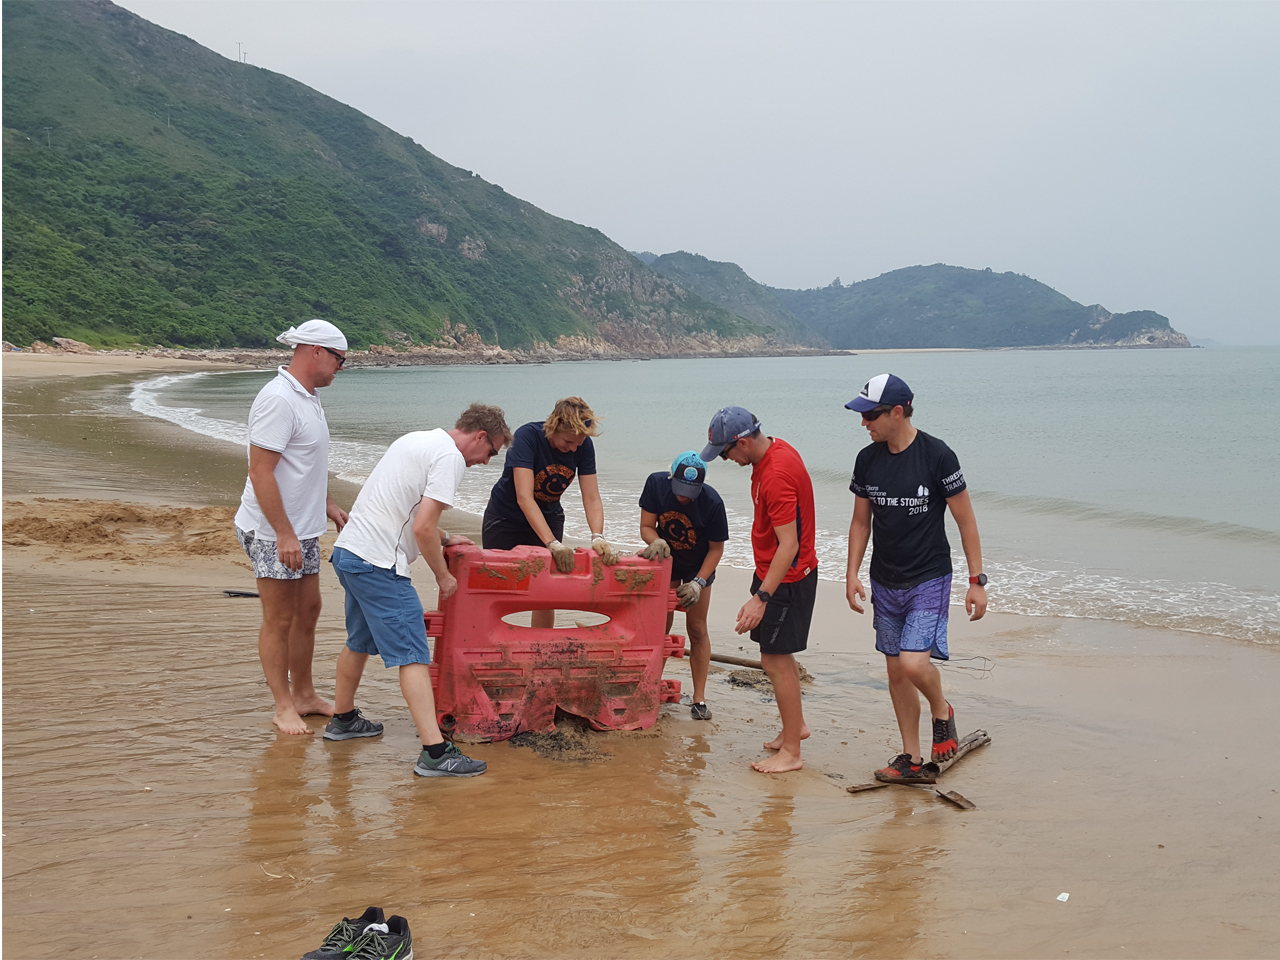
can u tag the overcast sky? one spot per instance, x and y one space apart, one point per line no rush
1125 154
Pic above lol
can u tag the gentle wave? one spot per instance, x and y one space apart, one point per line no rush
1018 586
350 460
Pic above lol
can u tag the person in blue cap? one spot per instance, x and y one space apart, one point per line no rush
903 483
785 586
681 517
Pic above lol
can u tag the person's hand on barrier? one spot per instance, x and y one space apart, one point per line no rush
658 550
457 540
853 592
688 594
289 550
562 555
448 587
603 547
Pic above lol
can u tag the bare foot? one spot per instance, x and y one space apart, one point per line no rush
312 706
776 742
781 762
290 722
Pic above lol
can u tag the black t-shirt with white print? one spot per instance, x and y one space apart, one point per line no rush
908 493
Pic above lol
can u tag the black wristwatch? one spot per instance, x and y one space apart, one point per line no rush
764 596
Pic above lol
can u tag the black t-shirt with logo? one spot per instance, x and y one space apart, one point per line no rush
908 493
689 528
553 471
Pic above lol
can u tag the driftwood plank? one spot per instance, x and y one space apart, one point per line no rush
979 738
860 787
952 797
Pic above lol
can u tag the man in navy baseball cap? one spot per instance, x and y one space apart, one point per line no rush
886 390
728 426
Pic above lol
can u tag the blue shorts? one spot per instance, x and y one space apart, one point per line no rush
914 619
384 614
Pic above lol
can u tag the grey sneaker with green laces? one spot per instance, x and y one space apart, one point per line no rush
337 945
454 763
357 726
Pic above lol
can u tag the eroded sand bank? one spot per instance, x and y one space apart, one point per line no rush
1125 770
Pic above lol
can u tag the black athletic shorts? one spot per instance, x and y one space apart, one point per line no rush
787 615
498 533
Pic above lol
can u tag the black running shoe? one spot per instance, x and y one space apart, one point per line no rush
344 933
902 770
357 726
384 941
700 711
945 739
454 763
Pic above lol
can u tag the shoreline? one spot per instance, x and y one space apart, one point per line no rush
134 692
63 363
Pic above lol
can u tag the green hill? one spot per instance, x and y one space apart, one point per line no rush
155 191
727 285
945 306
933 306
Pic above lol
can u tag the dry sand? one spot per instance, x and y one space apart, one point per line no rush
150 809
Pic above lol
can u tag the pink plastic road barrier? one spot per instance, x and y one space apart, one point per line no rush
493 679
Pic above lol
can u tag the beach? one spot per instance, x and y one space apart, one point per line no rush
151 810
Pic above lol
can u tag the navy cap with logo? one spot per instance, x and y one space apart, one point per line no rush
688 471
885 390
729 424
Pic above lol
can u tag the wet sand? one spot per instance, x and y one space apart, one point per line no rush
1123 771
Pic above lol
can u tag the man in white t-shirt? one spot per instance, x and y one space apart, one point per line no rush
284 509
395 519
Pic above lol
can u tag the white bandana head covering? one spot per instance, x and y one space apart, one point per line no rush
317 333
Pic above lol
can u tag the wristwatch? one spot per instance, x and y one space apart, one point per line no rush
700 582
979 581
764 596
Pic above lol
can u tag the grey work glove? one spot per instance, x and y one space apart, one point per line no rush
602 546
562 555
688 594
658 550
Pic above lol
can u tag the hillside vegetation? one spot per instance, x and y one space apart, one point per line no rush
917 307
157 192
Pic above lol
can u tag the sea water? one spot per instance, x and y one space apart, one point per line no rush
1135 485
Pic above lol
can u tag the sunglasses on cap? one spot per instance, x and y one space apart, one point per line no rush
336 355
876 413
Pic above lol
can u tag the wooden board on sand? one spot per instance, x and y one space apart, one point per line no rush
969 743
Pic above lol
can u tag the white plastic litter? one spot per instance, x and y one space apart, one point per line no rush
1064 897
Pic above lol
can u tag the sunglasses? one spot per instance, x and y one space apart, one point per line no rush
724 454
493 451
877 413
336 355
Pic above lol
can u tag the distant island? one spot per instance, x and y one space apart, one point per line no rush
918 307
158 194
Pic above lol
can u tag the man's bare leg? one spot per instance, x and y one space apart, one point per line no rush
302 646
776 742
415 684
912 673
785 677
545 619
695 621
350 670
278 607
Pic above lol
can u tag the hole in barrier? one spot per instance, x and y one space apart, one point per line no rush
565 619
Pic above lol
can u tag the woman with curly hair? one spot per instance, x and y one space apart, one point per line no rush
524 505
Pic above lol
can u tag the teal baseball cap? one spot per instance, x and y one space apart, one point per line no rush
688 471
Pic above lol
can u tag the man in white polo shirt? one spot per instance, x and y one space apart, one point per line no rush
395 519
284 509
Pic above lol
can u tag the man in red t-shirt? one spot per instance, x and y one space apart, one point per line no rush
785 584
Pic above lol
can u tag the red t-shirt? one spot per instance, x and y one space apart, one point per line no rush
782 493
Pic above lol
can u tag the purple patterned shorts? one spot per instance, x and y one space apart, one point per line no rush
914 619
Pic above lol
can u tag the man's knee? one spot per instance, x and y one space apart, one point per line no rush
916 667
